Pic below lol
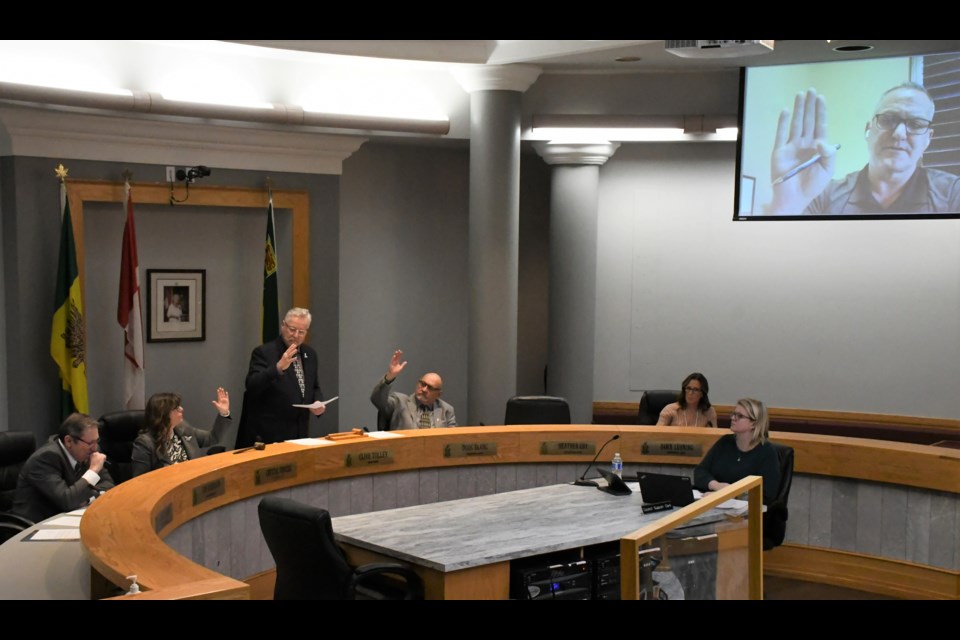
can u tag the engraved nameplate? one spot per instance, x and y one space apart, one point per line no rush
208 491
384 456
561 448
470 449
692 449
163 518
278 472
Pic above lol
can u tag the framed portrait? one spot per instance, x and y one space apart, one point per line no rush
176 309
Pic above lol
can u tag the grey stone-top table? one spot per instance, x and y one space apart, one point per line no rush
470 542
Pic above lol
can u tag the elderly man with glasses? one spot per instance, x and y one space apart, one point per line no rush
65 473
422 410
283 372
893 181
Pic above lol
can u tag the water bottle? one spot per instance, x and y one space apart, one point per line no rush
617 466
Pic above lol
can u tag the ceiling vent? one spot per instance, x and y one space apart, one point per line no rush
718 48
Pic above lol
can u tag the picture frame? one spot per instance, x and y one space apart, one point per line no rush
176 305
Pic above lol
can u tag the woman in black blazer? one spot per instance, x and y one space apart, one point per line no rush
167 439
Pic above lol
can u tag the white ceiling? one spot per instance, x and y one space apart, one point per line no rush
600 56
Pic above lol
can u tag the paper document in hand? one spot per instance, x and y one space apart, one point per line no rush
317 404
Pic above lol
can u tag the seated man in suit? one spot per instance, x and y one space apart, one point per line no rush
422 410
63 474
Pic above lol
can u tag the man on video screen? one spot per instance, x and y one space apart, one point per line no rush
893 181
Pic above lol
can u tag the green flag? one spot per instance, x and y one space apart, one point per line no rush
270 311
68 337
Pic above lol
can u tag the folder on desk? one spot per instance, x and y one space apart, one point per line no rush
662 487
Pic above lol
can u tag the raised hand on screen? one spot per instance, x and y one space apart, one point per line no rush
800 137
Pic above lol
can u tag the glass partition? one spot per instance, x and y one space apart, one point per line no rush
699 552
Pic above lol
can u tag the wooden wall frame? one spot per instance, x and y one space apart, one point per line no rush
80 192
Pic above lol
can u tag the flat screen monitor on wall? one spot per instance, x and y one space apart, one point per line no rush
864 139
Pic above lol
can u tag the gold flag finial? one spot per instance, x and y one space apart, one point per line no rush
61 172
127 175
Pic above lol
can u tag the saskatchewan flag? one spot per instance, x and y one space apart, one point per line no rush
68 338
270 311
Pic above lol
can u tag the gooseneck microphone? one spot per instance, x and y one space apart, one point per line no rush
590 483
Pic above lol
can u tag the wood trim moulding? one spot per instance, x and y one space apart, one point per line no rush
630 409
80 192
895 578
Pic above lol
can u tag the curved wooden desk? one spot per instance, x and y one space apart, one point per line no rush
191 531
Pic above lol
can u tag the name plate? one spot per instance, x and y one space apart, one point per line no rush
384 456
692 449
561 448
278 472
163 518
470 449
208 491
653 507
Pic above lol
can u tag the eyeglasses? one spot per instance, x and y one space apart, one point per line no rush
89 444
421 383
295 331
739 416
890 121
693 389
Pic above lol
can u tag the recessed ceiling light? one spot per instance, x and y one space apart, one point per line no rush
853 48
628 59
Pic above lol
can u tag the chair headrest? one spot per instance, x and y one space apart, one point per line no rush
121 425
16 446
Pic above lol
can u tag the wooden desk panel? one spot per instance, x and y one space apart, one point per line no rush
124 530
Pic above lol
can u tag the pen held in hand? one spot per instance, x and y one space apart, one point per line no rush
800 167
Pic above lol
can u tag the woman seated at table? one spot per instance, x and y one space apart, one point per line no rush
692 408
745 452
167 439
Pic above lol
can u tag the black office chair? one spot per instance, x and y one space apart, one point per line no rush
383 421
15 448
12 524
775 517
537 410
118 430
311 566
652 403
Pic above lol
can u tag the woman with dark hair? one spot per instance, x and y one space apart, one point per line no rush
167 439
745 452
692 408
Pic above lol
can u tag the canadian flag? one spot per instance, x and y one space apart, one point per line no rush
128 313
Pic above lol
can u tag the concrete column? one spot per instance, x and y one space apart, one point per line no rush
494 229
574 193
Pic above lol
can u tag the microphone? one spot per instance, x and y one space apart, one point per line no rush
590 483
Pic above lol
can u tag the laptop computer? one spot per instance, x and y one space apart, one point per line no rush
615 484
662 487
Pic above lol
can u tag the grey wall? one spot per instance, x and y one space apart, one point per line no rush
403 266
227 243
842 315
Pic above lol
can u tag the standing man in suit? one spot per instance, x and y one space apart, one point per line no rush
63 474
282 373
422 410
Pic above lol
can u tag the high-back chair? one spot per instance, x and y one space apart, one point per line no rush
15 448
652 403
537 410
775 517
118 430
311 566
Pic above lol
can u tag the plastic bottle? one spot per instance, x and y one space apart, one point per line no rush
617 466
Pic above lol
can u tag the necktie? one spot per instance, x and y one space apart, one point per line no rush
425 415
298 369
78 470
